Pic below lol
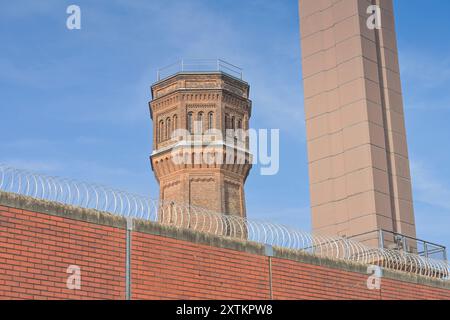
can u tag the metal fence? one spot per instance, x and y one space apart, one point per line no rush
199 65
106 199
396 241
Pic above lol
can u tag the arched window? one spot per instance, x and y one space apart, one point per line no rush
175 124
239 127
189 122
161 131
200 122
247 138
227 121
210 120
168 128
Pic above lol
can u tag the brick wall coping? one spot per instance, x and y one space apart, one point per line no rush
102 218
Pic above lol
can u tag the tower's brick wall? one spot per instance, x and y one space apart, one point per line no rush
39 240
205 105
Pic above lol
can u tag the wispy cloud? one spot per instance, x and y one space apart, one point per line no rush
425 77
47 166
126 178
296 217
198 30
427 69
428 187
15 9
431 203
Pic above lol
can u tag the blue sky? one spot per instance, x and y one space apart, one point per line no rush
74 103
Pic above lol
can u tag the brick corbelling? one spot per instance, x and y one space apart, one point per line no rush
38 240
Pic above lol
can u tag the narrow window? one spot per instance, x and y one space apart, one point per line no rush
168 128
189 122
210 120
227 121
175 125
161 131
239 126
200 122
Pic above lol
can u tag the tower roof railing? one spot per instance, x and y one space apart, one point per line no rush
199 66
122 203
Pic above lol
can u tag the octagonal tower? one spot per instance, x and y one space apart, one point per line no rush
200 147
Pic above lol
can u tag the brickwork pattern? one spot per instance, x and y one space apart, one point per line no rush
37 248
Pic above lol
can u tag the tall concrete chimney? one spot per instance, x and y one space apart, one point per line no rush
357 151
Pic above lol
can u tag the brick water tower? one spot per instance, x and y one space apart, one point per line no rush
200 110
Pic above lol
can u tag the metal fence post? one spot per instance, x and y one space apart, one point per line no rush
404 244
268 251
380 239
128 258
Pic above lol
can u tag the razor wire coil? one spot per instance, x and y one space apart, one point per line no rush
102 198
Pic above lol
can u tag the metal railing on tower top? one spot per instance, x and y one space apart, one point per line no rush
199 65
109 200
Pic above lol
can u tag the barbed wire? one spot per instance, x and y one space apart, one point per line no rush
102 198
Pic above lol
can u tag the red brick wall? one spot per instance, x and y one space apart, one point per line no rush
394 290
169 268
36 249
296 280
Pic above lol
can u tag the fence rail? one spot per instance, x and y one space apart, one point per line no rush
397 241
110 200
199 65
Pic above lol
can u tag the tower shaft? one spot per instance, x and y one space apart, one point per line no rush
357 151
199 159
